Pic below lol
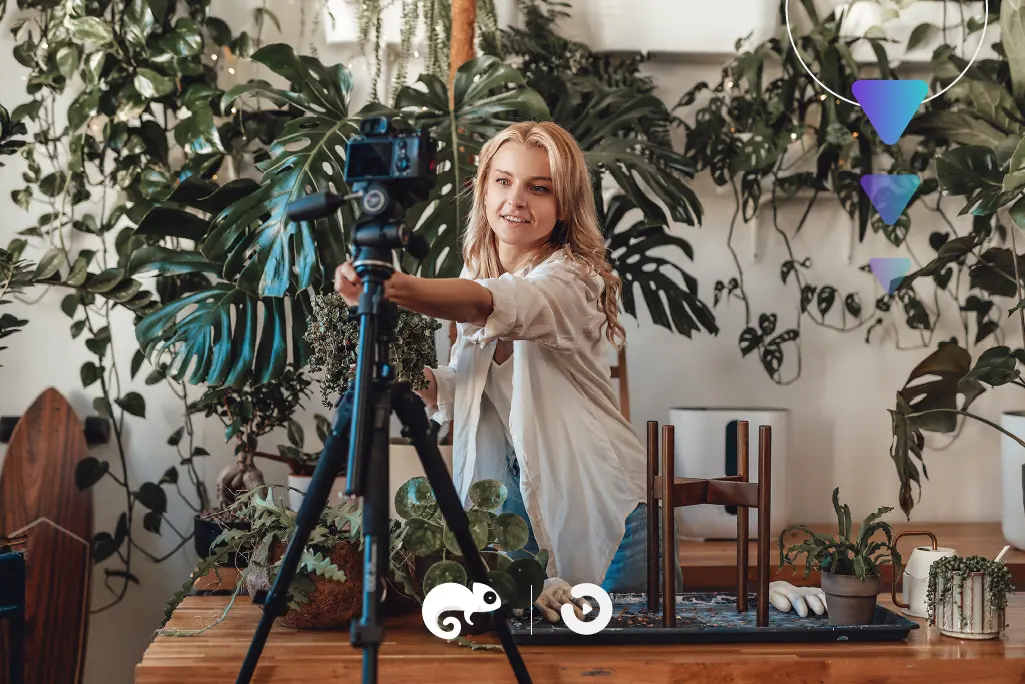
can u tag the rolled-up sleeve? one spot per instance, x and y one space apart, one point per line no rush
552 305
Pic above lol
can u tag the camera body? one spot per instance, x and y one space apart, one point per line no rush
402 160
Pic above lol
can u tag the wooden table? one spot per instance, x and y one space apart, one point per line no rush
712 565
411 654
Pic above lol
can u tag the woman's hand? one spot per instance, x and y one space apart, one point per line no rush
348 284
557 593
430 394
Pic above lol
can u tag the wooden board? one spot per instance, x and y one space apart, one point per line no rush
411 653
38 481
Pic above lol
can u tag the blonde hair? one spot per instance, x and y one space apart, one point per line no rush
576 233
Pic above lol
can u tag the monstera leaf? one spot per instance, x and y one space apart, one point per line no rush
263 252
488 96
213 331
931 404
600 118
632 254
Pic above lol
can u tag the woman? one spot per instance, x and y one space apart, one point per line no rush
528 383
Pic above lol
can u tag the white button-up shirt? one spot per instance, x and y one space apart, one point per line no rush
582 468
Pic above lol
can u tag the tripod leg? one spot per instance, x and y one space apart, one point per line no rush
329 465
410 410
368 633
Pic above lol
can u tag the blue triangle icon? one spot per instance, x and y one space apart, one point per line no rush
889 271
889 105
890 193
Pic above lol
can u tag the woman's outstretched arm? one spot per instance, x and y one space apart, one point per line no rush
450 299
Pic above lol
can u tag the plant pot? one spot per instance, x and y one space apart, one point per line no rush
849 600
333 603
302 483
1012 461
207 530
966 612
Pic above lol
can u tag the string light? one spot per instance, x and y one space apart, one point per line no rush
822 97
793 136
416 53
213 56
231 70
854 134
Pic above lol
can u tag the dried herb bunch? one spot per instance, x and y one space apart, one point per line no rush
334 337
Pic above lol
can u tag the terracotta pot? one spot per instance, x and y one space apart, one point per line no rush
332 604
849 600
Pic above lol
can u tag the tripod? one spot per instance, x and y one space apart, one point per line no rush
369 402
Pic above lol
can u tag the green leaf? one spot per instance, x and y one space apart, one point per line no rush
488 96
103 547
529 578
421 537
176 437
1012 35
133 403
170 476
921 34
89 471
443 572
219 30
415 499
67 60
151 522
137 360
138 21
89 373
153 497
168 261
264 252
152 85
90 30
214 332
295 434
973 171
512 531
488 494
49 264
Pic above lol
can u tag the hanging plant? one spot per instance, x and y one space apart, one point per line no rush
956 572
333 334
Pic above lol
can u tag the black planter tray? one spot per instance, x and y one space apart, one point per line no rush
707 618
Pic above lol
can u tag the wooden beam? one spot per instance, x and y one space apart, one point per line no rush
461 50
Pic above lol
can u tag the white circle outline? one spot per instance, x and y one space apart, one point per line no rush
797 53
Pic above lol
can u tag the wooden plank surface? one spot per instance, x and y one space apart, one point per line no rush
38 481
410 653
712 565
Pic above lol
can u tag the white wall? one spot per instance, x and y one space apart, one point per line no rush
840 429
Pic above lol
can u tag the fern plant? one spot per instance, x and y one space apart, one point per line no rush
843 554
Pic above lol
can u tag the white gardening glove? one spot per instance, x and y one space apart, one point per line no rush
556 593
784 596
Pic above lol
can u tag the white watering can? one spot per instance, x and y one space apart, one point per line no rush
916 575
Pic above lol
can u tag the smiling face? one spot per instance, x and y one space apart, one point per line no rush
520 198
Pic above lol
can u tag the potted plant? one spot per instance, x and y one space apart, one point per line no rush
850 567
327 588
515 573
967 596
249 413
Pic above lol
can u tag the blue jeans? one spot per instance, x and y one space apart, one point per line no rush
628 572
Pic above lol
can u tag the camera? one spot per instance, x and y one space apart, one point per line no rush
387 153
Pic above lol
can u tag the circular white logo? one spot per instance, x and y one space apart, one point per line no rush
600 621
786 18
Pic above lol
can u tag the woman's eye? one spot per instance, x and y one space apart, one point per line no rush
501 180
540 188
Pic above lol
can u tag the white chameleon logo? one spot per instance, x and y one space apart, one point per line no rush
453 596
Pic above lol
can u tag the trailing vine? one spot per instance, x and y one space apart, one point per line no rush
142 116
945 572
